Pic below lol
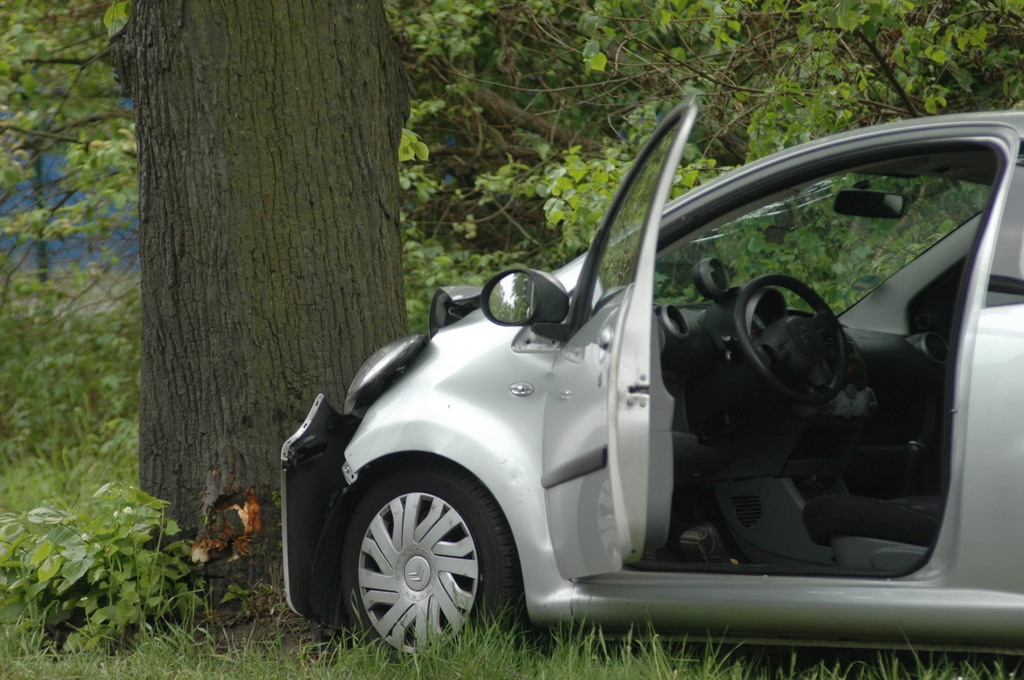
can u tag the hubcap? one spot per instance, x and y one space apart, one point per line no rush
418 570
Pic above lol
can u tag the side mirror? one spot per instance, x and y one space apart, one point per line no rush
520 297
864 203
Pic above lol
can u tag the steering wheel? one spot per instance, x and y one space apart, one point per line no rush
791 354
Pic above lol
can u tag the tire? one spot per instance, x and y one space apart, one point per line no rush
460 559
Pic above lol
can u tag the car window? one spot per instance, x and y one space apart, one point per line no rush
843 234
617 265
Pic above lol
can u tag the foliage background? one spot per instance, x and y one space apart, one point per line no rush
532 108
525 113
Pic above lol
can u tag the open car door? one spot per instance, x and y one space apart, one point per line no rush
607 432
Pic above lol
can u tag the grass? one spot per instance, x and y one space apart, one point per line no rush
496 652
68 404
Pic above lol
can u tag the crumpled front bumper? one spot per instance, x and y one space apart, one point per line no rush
313 474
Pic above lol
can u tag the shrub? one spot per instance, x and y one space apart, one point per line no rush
87 580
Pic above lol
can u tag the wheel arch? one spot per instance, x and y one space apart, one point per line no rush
329 610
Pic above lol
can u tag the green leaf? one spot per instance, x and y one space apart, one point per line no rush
10 531
75 569
848 20
598 62
49 568
29 83
410 147
12 610
57 615
421 151
870 28
116 16
41 552
31 591
47 516
65 537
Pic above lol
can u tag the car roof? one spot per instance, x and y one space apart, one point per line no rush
1013 119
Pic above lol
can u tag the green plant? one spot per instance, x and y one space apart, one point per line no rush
97 578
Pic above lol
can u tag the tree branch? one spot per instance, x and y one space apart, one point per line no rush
94 118
83 61
889 74
497 153
55 134
41 133
69 61
522 118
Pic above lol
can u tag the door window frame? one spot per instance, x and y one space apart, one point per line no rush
582 303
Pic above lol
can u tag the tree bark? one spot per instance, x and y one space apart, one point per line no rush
269 236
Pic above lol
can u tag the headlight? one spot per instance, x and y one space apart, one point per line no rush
377 372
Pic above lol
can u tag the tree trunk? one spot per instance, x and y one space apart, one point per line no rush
271 258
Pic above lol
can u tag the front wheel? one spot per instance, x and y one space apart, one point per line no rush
424 550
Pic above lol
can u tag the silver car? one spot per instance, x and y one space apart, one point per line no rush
828 450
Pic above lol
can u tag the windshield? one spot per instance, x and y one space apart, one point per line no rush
843 235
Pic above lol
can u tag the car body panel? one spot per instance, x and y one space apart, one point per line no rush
917 612
443 407
986 508
979 521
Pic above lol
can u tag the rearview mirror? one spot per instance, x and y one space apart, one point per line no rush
519 297
864 203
